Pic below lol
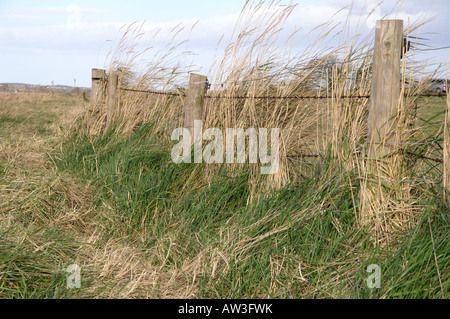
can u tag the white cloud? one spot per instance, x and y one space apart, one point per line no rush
72 34
70 30
46 11
86 36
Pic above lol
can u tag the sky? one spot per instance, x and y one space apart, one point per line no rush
60 41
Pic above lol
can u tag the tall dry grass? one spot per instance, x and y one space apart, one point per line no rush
253 64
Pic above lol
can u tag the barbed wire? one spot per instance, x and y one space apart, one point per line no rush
371 179
426 95
154 92
295 97
434 49
250 97
408 143
298 157
403 180
306 97
423 156
274 97
437 160
303 155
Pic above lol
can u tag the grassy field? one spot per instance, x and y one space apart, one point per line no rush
140 226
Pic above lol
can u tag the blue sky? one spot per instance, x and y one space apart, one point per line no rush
44 41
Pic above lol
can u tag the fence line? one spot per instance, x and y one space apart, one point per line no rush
154 92
297 97
274 97
437 160
439 179
293 157
384 97
413 143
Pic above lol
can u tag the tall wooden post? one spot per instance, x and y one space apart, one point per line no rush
382 137
447 150
386 82
98 86
113 82
193 108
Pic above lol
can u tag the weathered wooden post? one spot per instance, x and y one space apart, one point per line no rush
98 87
113 82
193 108
382 137
447 150
386 82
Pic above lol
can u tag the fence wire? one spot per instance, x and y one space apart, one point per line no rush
154 92
225 97
359 154
298 157
274 97
360 177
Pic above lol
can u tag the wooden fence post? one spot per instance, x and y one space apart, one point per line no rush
447 150
195 97
97 89
113 82
386 82
382 136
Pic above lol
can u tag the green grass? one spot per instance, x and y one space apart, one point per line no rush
309 226
34 254
431 114
29 272
301 241
13 120
10 125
